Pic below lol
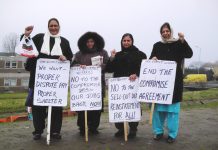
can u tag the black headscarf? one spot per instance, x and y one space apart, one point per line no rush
132 47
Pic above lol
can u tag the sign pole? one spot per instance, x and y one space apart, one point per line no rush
125 131
86 127
49 125
151 113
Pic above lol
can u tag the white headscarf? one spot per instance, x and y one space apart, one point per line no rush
56 50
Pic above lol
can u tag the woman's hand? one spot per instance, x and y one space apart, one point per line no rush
28 30
132 77
181 37
62 58
82 66
113 53
154 58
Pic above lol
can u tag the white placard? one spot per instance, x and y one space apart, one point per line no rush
156 81
85 88
51 82
122 97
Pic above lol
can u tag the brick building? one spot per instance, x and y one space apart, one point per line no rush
13 77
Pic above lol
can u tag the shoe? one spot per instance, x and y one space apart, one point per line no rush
56 136
157 137
170 139
94 132
119 133
132 134
36 136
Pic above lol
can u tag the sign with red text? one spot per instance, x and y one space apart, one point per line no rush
51 82
156 81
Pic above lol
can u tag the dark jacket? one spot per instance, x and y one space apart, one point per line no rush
126 62
83 57
38 41
175 51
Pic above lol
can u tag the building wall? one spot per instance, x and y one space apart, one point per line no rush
19 74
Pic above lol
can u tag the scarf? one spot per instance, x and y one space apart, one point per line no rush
56 50
129 49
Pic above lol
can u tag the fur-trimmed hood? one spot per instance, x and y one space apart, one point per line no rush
99 41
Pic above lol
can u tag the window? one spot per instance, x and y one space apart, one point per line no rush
24 82
10 64
10 82
13 64
7 64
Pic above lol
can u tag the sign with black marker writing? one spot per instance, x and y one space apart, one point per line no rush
51 82
123 104
156 81
85 88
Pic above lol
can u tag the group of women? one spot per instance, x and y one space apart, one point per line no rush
125 63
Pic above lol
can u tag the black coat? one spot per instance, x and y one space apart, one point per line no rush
126 63
38 41
175 51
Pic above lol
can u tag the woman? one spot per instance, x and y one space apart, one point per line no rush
173 50
52 46
91 44
126 63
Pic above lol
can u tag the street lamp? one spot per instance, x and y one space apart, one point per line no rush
199 57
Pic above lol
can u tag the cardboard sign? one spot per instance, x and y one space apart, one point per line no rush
123 104
85 88
51 82
156 81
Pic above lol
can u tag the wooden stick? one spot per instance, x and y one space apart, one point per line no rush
86 127
151 113
125 131
49 125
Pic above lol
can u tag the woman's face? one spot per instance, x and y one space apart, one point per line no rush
165 33
90 43
53 27
127 42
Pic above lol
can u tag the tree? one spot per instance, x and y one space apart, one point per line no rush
9 42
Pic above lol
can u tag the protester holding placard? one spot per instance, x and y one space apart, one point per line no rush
91 52
126 63
176 50
52 46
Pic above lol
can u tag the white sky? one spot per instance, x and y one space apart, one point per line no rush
197 19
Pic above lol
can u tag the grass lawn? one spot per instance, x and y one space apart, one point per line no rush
14 103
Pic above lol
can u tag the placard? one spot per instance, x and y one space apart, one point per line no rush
122 97
51 82
156 81
85 88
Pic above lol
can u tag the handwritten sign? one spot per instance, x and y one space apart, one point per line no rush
51 82
123 104
156 81
85 88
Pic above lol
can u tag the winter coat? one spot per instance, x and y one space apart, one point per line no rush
38 41
175 51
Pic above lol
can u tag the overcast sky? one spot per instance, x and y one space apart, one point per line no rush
197 19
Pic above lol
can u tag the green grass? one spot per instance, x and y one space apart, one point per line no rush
201 95
14 102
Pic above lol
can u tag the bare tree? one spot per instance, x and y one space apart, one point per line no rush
9 42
